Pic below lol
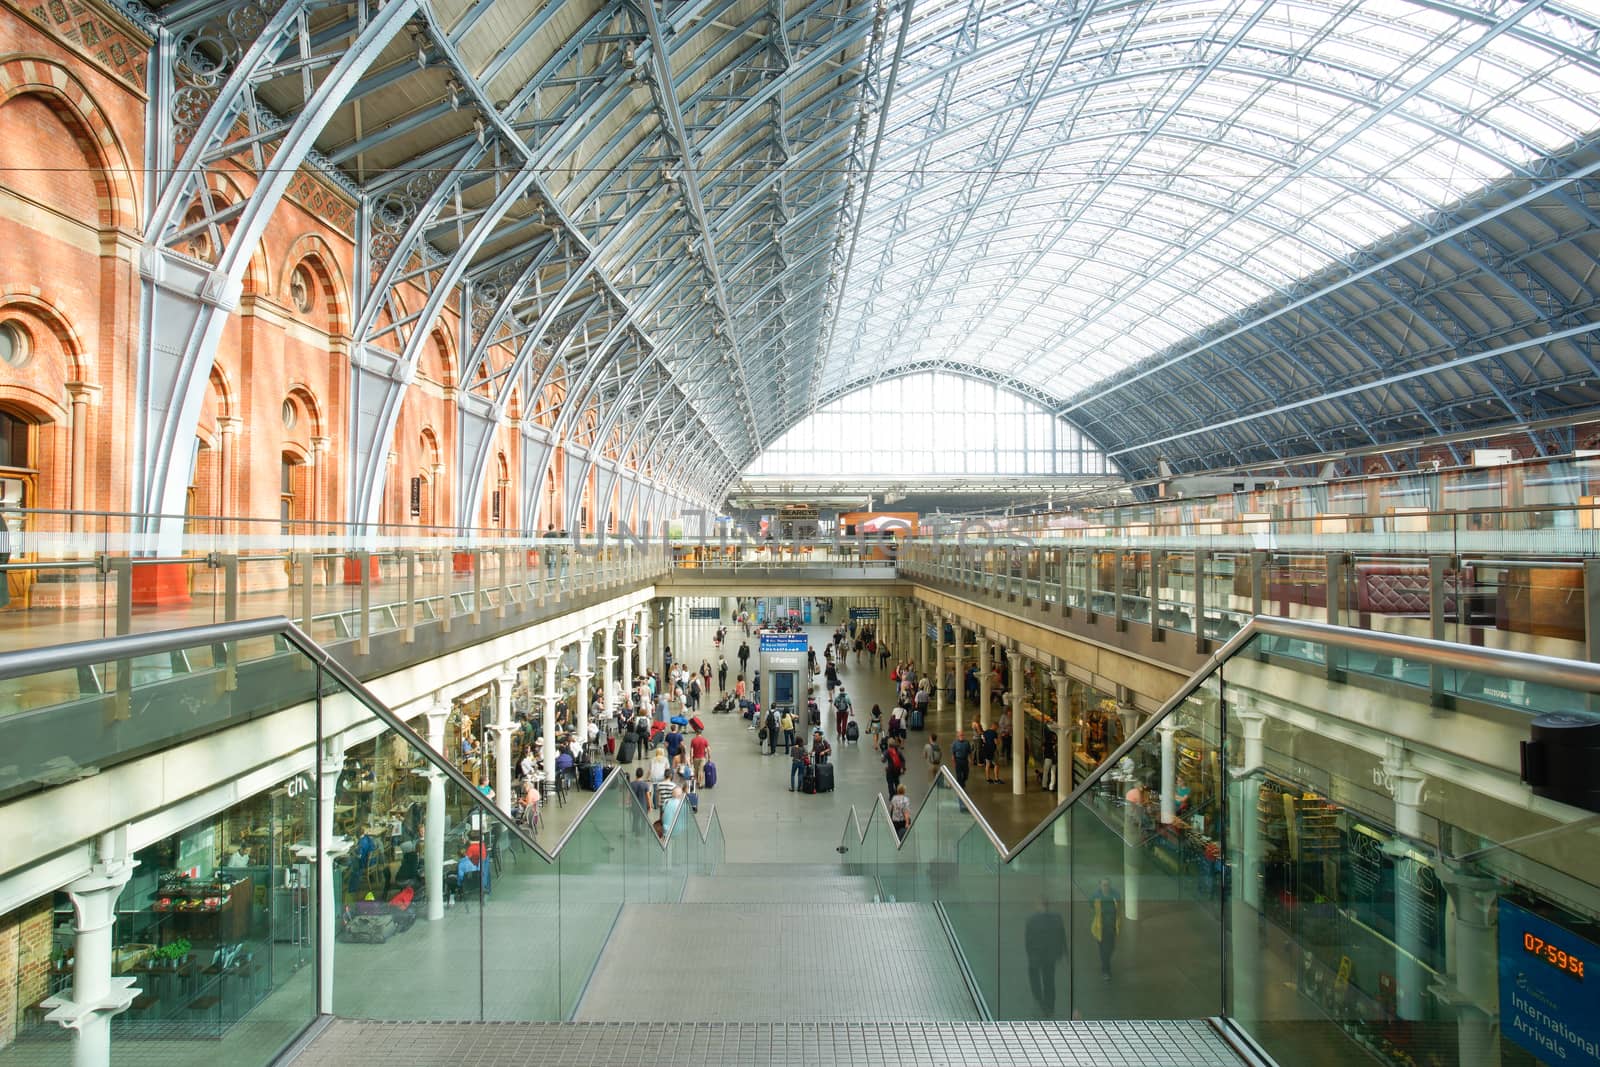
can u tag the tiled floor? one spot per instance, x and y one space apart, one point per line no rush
625 1044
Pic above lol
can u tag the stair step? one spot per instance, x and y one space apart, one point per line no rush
777 888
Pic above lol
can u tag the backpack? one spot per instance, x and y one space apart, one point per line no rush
933 753
896 760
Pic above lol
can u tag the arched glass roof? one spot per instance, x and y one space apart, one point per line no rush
1063 191
1209 231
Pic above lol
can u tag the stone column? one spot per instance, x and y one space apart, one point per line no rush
922 640
581 693
551 657
1019 729
1472 976
1408 783
319 467
82 395
960 674
608 667
645 644
96 995
502 739
228 431
938 663
1169 770
628 673
984 696
433 829
1063 735
330 766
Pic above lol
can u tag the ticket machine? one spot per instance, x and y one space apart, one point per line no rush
783 665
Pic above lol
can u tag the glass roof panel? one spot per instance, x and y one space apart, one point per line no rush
1080 188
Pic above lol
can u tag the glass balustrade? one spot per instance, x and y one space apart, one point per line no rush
327 859
1322 839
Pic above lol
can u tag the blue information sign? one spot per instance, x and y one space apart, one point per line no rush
863 613
784 643
1547 1003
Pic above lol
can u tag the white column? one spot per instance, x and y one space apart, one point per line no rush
608 665
938 662
96 996
1019 729
644 641
627 649
1132 854
960 676
328 898
551 657
1063 735
433 828
1408 783
984 696
1473 964
1169 770
581 694
1246 919
502 738
922 641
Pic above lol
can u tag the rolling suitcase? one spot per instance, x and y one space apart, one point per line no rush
710 775
698 724
852 732
590 775
809 782
824 777
625 751
694 802
916 718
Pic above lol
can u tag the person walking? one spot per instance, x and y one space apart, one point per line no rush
894 764
1106 923
932 753
900 810
744 655
643 801
1045 936
699 755
961 758
722 674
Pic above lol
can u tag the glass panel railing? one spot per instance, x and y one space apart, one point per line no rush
346 868
1306 842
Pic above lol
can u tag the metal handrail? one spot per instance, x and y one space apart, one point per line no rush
131 646
1523 666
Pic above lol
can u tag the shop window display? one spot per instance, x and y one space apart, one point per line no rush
216 921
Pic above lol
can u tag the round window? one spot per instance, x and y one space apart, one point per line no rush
300 288
290 415
14 344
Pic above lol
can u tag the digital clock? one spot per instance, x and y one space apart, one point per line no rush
1566 962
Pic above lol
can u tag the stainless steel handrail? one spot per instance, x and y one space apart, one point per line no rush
1523 666
102 650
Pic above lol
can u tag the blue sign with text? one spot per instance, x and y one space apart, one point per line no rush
784 643
1547 1004
863 613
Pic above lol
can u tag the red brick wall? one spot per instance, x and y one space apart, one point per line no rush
24 963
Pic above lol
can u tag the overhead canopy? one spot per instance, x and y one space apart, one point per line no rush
1207 230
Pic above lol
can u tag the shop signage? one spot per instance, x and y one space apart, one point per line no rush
1547 1003
299 785
863 613
784 643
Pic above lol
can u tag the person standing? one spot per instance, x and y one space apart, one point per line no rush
722 674
699 755
786 724
1105 923
744 656
797 765
1046 938
988 756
